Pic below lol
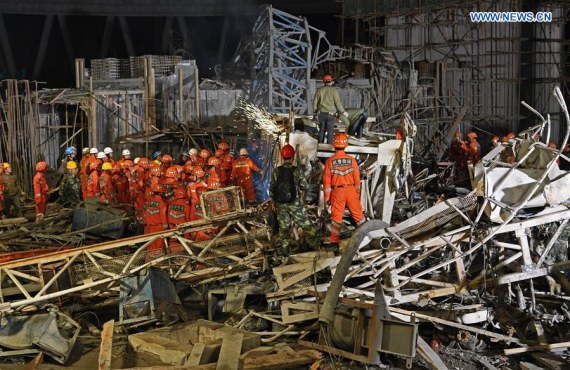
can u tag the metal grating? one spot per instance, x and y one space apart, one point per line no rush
221 202
163 65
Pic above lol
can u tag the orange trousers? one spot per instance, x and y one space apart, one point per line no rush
156 247
340 199
247 185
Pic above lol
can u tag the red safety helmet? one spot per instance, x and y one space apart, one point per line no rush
214 161
198 172
144 163
214 182
41 166
166 158
223 145
188 167
219 153
205 154
458 134
154 169
287 152
127 163
340 141
552 144
472 135
171 172
327 78
116 168
511 135
495 139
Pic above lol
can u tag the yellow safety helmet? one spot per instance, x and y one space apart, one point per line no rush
6 165
107 166
71 165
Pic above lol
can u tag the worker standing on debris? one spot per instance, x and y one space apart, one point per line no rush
83 164
108 194
12 206
215 169
242 174
194 188
41 189
121 183
70 187
154 217
137 185
69 156
474 149
326 104
458 150
341 184
286 183
93 190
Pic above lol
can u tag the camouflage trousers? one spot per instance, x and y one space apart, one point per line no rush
287 213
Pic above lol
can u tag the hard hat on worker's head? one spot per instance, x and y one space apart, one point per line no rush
70 150
6 165
144 162
223 145
154 169
41 166
214 183
156 154
101 155
287 152
552 144
198 172
214 161
71 165
93 151
205 154
193 151
495 139
458 134
504 139
107 150
126 152
472 135
107 166
510 135
188 168
219 153
166 158
340 141
243 151
127 163
85 151
327 78
171 172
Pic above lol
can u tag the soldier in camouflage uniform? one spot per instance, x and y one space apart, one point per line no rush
70 187
286 181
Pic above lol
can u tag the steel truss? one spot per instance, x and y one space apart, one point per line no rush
431 254
97 269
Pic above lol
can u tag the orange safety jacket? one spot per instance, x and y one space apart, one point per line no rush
341 170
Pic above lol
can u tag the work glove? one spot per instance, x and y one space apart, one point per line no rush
345 113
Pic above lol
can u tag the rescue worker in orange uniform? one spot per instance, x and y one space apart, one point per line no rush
219 153
215 169
458 151
154 217
125 155
93 190
121 183
108 155
106 186
194 190
166 160
217 204
83 173
187 176
153 176
342 186
242 174
41 189
2 215
178 213
474 149
137 185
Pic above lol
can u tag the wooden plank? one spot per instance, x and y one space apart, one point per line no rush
283 360
230 352
551 361
529 366
196 354
106 348
37 361
310 311
540 347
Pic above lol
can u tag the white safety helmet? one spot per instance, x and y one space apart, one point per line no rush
101 155
93 151
136 161
126 152
107 150
193 151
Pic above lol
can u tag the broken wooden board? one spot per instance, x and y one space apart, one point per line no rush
196 355
529 366
230 352
429 355
289 275
309 311
37 361
540 347
106 348
551 361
